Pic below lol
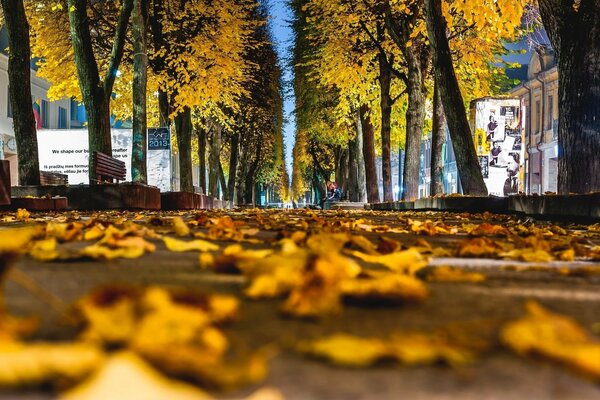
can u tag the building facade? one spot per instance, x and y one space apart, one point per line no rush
539 97
62 114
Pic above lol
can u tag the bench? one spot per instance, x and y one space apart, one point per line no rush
48 178
108 169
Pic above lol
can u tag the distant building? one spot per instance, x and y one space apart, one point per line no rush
62 114
539 96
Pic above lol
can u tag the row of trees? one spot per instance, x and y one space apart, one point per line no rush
207 68
384 72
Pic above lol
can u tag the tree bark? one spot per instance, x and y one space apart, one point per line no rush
575 36
369 156
438 139
19 76
223 182
233 165
140 83
352 190
458 124
183 130
358 163
202 157
213 161
385 84
415 121
96 93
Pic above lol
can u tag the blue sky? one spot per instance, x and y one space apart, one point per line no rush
281 16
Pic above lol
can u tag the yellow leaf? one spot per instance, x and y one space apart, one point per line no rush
45 250
27 365
194 245
180 227
126 376
406 262
384 288
554 336
346 350
449 274
23 214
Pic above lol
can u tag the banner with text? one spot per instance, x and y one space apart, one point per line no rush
66 152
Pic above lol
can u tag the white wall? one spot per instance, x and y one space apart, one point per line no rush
39 89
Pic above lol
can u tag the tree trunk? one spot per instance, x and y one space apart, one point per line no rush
438 139
19 76
575 36
213 161
415 120
140 82
233 165
202 157
96 93
183 129
352 190
224 193
458 124
385 85
357 164
369 156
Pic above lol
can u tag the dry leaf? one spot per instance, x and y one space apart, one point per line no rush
45 250
33 364
554 336
406 262
126 376
449 274
180 227
193 245
347 350
383 289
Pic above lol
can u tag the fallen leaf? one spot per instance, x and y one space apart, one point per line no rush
193 245
553 336
407 262
347 350
180 227
126 376
383 289
449 274
24 364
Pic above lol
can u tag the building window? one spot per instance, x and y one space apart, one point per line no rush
538 117
74 107
550 113
62 118
45 114
9 112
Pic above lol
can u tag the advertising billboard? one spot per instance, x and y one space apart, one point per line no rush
67 152
498 136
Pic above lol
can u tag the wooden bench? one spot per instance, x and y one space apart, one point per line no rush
48 178
108 169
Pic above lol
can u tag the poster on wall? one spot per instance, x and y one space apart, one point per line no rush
499 143
159 157
67 152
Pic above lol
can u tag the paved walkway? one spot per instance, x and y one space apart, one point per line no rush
482 307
